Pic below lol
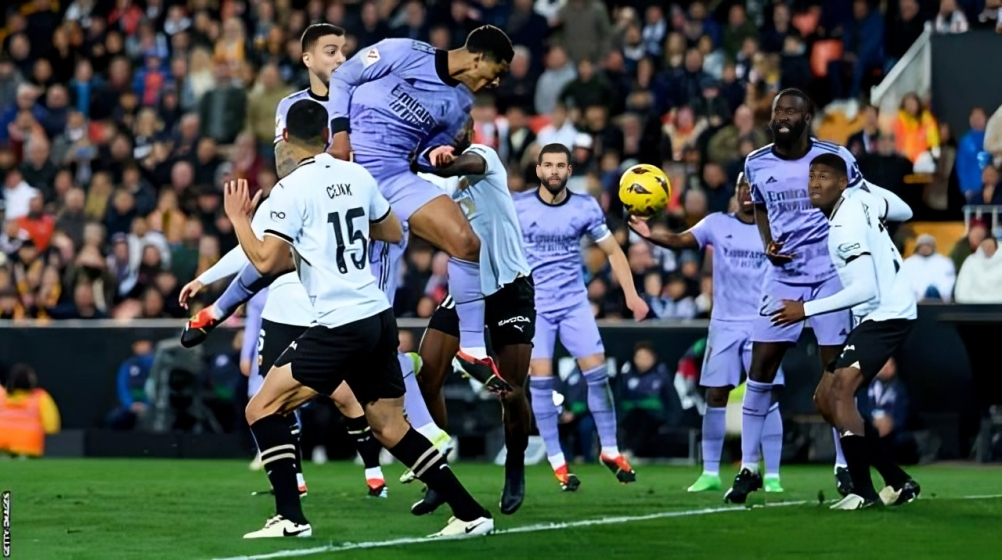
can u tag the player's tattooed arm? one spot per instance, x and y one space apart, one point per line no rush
667 239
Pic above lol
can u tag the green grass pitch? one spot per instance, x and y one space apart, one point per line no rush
199 510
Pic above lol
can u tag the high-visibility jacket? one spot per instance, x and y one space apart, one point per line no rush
25 418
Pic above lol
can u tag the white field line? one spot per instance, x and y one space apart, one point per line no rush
292 553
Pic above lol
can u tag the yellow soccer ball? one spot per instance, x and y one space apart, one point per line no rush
644 190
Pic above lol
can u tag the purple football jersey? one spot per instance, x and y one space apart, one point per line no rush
552 235
396 94
781 185
739 266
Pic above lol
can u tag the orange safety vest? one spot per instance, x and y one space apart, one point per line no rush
21 430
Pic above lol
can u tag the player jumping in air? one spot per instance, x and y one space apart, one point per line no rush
393 98
288 311
738 262
553 221
326 210
482 193
883 311
795 236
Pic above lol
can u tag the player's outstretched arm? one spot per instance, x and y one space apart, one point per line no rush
667 239
896 210
448 165
621 270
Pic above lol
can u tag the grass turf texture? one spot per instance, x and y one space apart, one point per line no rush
111 509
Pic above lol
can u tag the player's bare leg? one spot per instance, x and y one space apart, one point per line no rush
714 431
603 410
366 445
437 350
386 417
266 414
443 224
542 384
765 362
513 359
843 480
839 397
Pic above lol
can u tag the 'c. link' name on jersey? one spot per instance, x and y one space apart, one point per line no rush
408 108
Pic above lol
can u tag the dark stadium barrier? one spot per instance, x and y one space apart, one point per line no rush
959 79
77 362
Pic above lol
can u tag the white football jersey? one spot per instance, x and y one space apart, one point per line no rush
287 302
283 109
856 230
488 205
323 209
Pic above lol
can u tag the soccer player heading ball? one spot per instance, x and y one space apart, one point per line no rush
400 98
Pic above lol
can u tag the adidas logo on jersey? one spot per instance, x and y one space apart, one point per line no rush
771 180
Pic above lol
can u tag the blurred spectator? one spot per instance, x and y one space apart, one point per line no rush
865 141
646 399
519 87
968 156
27 414
37 224
17 195
915 129
931 274
223 108
723 146
738 29
414 25
950 18
887 168
981 275
675 304
683 130
904 30
977 231
131 386
585 29
560 130
990 193
885 405
526 28
559 72
863 51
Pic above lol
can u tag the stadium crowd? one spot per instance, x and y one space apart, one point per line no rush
120 120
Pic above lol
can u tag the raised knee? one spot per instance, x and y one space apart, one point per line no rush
253 412
467 245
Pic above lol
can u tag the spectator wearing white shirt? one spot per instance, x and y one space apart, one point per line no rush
559 72
560 130
931 274
980 278
17 194
950 19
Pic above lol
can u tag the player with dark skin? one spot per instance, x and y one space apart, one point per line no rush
791 126
440 221
835 396
715 396
438 348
